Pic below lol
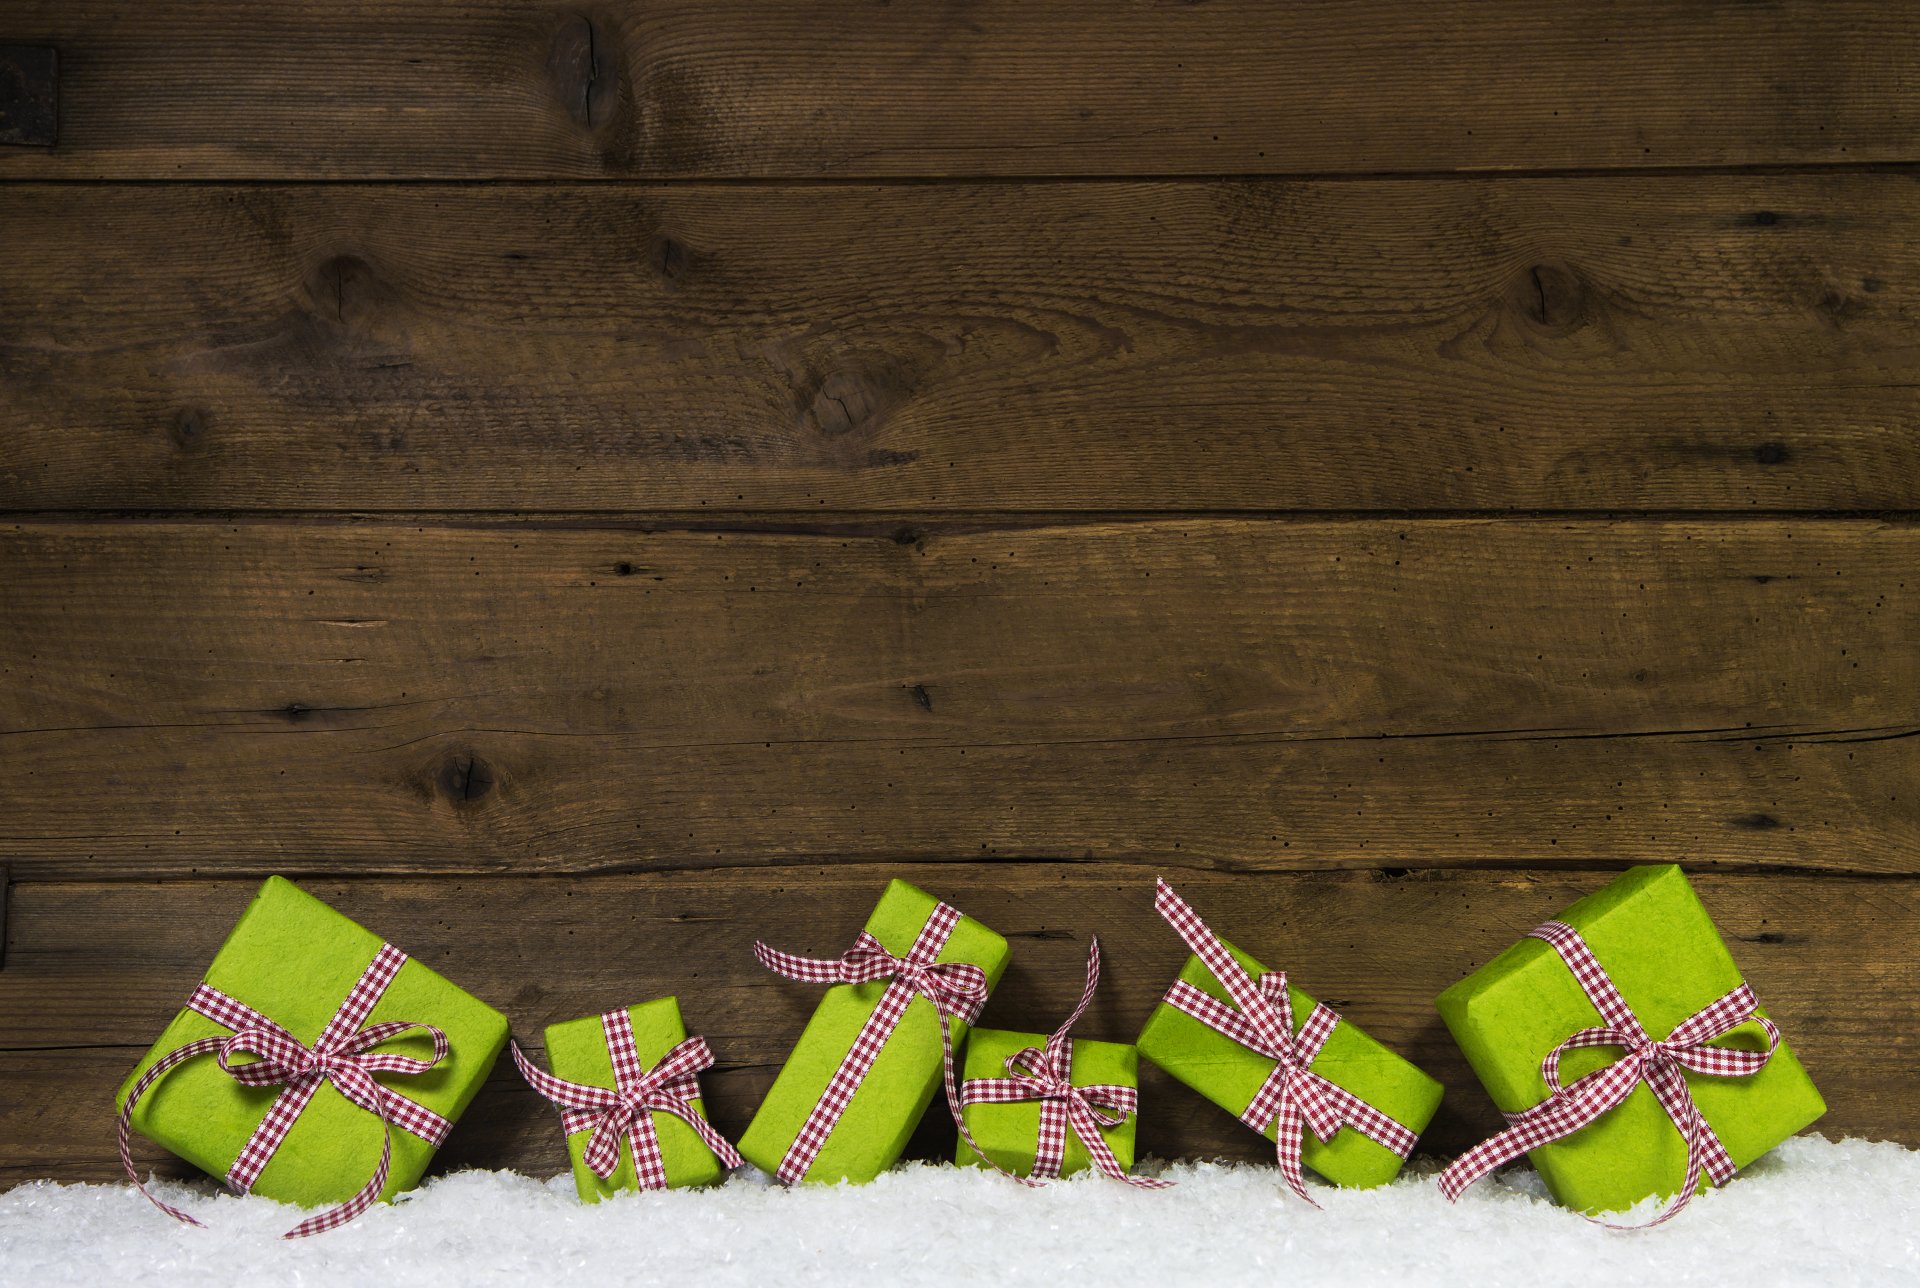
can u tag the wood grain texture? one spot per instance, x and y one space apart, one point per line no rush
96 970
337 698
1674 343
497 88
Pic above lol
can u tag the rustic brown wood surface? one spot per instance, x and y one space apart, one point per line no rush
484 88
319 696
95 971
587 486
1682 343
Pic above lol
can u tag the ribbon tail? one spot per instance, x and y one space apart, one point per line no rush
1087 1127
1560 1115
179 1055
954 1101
335 1217
1671 1089
1288 1140
709 1134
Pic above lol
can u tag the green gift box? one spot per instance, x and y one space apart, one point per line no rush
890 1100
1655 940
1008 1133
577 1051
1230 1075
295 960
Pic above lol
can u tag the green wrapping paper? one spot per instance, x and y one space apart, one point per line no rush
1229 1075
577 1051
294 960
905 1075
1654 938
1009 1132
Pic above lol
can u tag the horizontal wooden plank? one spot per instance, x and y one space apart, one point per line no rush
190 697
1623 343
491 88
96 970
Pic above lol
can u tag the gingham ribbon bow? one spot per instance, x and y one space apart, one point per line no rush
343 1054
1657 1063
1294 1098
1046 1076
957 990
627 1108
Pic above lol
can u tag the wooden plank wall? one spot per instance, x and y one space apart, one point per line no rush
584 487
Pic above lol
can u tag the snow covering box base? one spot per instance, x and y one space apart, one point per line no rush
1813 1211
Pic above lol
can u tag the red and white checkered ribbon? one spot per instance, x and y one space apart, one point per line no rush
343 1054
1046 1076
957 991
1657 1063
627 1109
1293 1098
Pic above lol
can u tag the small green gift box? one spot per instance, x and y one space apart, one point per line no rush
1009 1132
578 1051
295 961
1654 939
890 1099
1230 1075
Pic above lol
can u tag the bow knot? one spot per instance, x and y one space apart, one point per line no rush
1046 1076
958 987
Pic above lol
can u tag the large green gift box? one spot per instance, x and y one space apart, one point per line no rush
577 1051
294 960
1230 1075
1655 940
890 1100
1010 1132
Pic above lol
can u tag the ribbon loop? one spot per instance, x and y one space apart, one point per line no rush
1294 1099
1656 1063
343 1055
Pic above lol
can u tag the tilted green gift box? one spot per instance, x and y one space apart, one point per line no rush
1654 938
905 1075
294 960
577 1051
1010 1133
1230 1075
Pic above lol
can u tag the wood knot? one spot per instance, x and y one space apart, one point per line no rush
584 74
921 698
188 429
670 260
345 291
465 778
1757 822
844 402
1772 454
1549 296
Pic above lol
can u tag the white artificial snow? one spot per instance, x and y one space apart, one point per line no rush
1812 1212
